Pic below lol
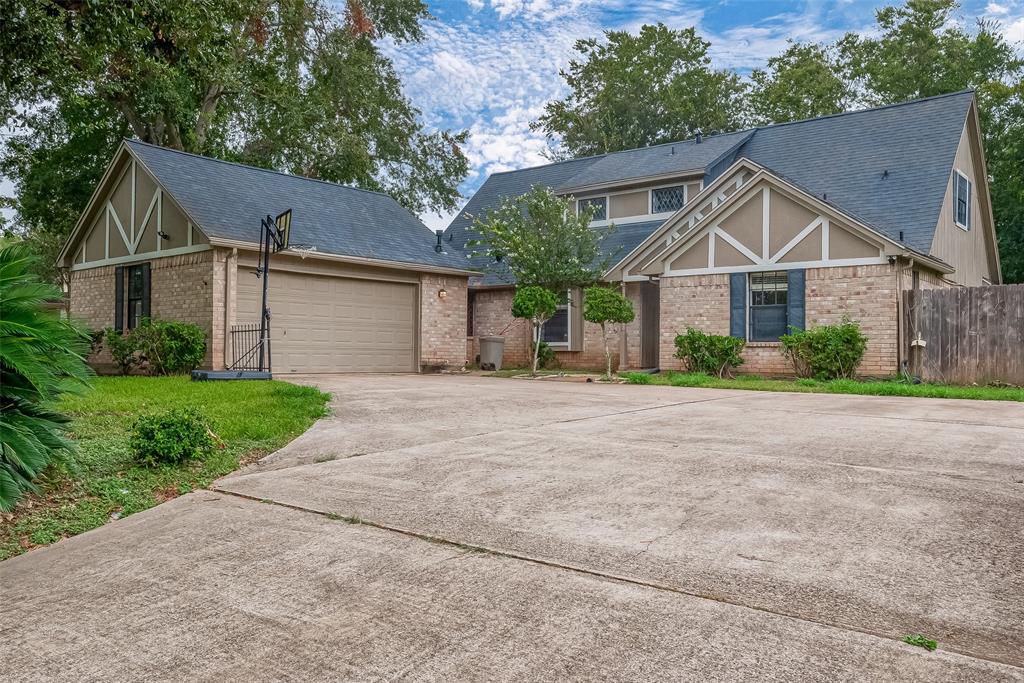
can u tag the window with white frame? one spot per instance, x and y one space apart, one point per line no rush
555 331
599 205
768 305
961 200
668 199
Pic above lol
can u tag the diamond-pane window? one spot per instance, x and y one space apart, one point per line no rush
668 199
599 204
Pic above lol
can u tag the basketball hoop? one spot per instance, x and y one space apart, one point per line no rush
300 250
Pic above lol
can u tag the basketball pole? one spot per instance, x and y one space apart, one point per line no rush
265 238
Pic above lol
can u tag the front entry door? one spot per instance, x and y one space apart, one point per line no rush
650 325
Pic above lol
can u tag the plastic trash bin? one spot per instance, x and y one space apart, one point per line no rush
491 351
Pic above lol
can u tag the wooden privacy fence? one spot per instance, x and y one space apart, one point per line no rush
970 335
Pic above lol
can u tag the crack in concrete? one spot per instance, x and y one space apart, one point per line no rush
430 538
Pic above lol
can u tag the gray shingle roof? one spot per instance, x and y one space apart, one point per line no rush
228 200
845 156
840 158
658 160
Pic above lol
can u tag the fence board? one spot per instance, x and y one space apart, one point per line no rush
973 335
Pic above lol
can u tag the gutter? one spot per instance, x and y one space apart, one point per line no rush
324 256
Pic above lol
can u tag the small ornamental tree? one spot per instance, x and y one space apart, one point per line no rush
538 239
603 305
537 305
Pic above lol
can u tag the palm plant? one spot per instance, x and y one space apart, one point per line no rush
41 357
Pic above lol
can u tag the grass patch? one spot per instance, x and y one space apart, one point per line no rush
838 386
104 482
920 641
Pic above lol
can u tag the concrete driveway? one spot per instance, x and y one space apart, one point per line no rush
466 528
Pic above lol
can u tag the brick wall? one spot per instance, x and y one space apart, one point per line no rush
867 294
181 289
493 316
443 321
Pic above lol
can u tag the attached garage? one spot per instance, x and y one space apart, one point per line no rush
322 323
363 285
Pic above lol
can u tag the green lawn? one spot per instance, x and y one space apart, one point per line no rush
103 483
839 386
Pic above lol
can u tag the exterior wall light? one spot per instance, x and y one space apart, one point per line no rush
442 293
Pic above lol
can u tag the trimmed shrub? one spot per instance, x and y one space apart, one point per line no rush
171 437
41 357
535 304
166 347
122 350
827 351
711 354
603 305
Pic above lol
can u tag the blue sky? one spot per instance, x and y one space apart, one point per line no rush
488 66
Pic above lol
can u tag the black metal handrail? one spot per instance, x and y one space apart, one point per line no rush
245 346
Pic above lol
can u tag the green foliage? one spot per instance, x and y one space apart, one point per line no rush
106 480
538 239
801 83
171 437
711 354
921 641
546 357
535 304
169 347
887 387
826 351
295 85
603 305
162 347
628 91
122 349
41 358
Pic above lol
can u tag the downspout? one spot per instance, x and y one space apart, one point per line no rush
623 343
901 358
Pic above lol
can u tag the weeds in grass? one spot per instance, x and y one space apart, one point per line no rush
920 641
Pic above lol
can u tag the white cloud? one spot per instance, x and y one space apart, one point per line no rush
995 9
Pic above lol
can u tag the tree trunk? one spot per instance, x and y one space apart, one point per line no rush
607 353
537 328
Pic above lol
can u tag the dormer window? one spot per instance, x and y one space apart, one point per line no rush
961 200
599 205
668 199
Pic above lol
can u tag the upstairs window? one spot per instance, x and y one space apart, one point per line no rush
599 204
769 294
668 199
961 200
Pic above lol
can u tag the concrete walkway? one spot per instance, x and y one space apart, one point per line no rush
518 530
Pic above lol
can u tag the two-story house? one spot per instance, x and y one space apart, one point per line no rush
752 232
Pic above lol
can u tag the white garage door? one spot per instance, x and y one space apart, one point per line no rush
334 324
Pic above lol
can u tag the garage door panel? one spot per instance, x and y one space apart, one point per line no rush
333 324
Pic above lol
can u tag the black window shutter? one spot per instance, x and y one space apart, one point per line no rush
145 290
738 305
795 309
119 298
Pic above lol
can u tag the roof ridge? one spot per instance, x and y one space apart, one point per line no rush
865 110
752 129
133 141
